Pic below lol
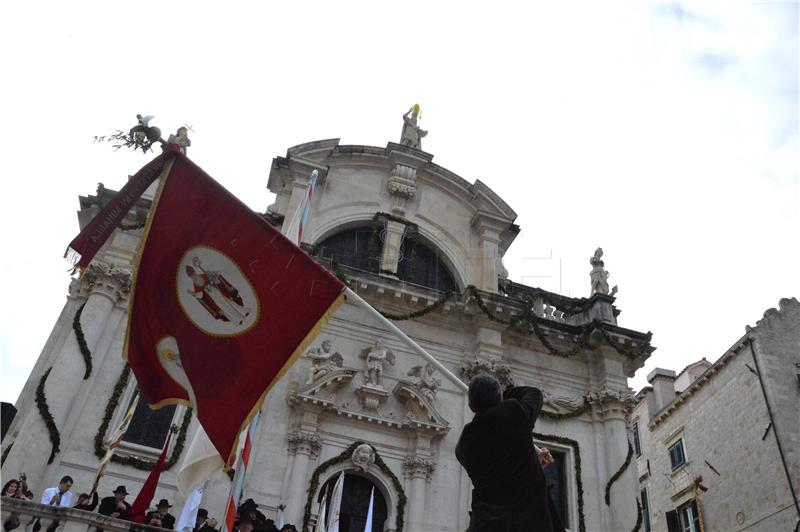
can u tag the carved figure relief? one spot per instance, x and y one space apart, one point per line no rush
425 381
495 368
363 457
323 361
376 358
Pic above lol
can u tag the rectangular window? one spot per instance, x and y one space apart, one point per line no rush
149 427
645 510
636 446
555 474
676 455
689 517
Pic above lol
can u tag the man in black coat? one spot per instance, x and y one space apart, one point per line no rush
161 516
115 506
496 448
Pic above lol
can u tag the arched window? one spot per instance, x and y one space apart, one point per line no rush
355 503
362 247
150 427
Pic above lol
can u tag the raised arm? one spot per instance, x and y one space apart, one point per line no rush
529 398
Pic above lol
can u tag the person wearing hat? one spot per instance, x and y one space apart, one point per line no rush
203 523
161 516
249 509
244 524
115 506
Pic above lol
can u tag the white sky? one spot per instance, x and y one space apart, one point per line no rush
665 133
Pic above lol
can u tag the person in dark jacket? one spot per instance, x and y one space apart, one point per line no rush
86 502
203 523
496 448
161 516
115 506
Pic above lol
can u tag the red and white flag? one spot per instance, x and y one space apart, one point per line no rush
221 303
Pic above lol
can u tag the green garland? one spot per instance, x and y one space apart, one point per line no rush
578 481
638 524
583 340
417 313
82 345
133 461
5 453
585 407
343 457
47 417
618 473
626 352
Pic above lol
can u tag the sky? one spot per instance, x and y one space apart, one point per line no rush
667 133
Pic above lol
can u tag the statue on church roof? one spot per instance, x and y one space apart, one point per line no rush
181 138
598 275
412 134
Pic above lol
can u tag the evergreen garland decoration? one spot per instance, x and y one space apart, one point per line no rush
627 352
82 345
417 313
5 453
343 457
619 473
578 481
638 524
133 461
47 417
566 415
583 339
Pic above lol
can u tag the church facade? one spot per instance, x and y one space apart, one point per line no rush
423 246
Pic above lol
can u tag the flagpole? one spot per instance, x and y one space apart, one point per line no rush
411 343
238 477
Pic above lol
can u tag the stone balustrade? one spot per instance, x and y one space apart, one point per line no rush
69 519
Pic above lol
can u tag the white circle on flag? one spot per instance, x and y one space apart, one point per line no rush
215 294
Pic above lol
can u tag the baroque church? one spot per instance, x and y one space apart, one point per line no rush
422 245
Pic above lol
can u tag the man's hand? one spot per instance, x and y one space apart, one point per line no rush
545 458
212 523
114 514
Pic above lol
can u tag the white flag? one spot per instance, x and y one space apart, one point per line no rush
336 504
188 518
323 507
368 526
280 518
294 226
202 460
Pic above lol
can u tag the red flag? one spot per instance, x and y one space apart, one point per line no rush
142 503
221 304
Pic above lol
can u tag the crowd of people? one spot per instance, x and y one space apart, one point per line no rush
248 517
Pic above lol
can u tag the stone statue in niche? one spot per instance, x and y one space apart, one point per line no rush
363 457
323 361
425 381
598 275
376 357
412 134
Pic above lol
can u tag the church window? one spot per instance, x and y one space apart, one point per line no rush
689 517
555 474
353 248
149 428
423 266
645 510
676 455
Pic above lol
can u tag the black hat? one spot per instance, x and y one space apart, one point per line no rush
249 504
121 489
202 512
163 502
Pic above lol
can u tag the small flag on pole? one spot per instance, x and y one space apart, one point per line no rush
188 518
297 224
323 507
114 441
142 503
368 526
336 504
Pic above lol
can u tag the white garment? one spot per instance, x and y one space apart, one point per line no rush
66 498
188 518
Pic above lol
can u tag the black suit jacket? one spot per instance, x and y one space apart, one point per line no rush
108 505
496 448
167 521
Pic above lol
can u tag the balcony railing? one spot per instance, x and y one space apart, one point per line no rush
69 519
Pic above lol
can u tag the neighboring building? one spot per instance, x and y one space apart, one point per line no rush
735 423
406 234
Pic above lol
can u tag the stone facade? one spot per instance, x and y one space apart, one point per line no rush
411 418
720 418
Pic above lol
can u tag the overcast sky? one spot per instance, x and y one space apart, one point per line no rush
665 133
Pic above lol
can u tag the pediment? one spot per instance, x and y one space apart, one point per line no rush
421 409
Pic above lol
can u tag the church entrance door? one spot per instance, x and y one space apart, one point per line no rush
355 503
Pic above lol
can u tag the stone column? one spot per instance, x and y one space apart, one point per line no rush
103 286
418 470
305 446
486 257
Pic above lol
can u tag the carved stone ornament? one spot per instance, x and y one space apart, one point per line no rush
323 361
606 401
108 280
495 368
363 457
598 275
425 381
305 443
376 358
562 402
403 181
418 467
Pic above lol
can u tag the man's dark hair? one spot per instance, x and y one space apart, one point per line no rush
67 478
484 392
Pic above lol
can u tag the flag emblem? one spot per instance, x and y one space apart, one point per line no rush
215 294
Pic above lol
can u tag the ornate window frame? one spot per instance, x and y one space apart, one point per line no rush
570 478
